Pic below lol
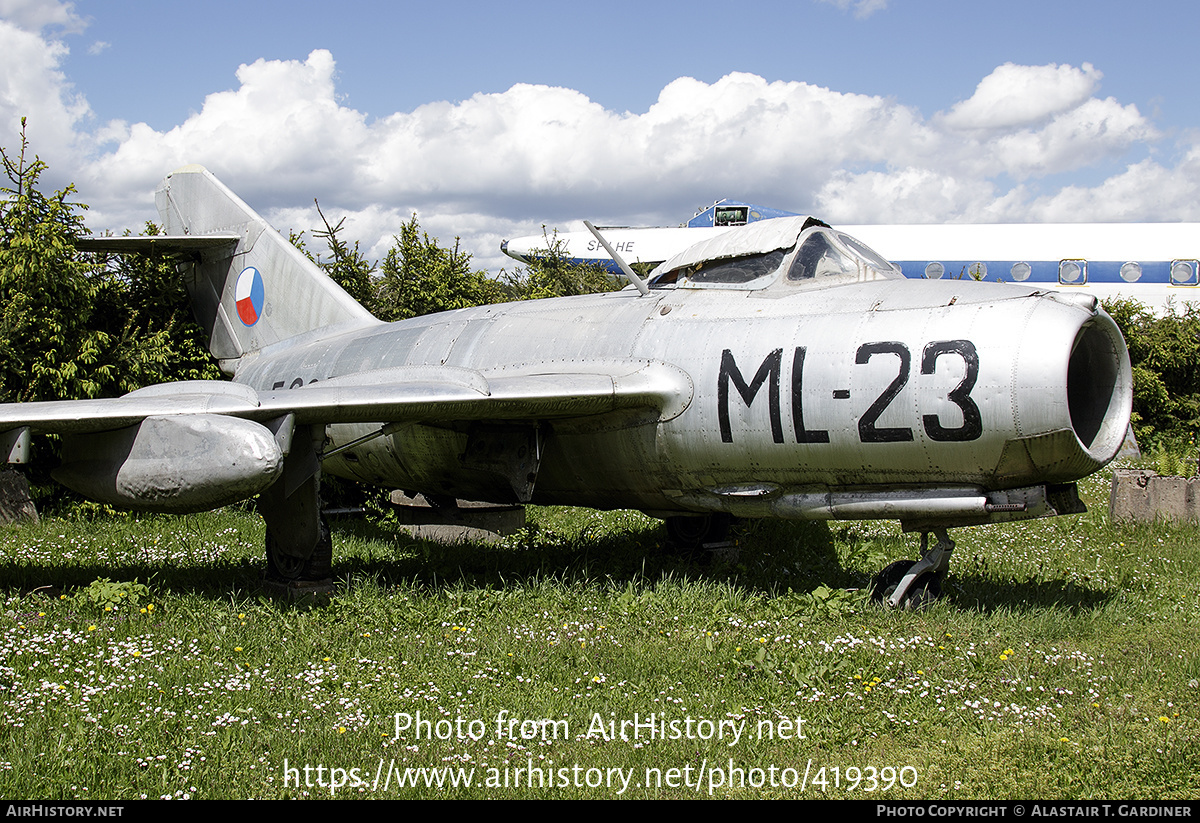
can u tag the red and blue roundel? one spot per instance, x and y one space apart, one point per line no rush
248 295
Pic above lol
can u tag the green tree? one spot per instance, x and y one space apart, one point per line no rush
49 346
347 265
552 274
143 304
420 277
1164 351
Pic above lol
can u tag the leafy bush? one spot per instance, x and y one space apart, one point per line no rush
1165 354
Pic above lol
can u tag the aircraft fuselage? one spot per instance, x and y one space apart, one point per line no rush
960 387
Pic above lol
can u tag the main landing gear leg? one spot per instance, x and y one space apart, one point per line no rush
905 584
299 548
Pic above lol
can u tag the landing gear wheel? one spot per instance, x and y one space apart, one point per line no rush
286 568
924 591
689 533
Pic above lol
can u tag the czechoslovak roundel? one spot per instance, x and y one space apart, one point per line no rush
248 294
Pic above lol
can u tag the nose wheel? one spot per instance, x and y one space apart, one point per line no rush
906 584
691 533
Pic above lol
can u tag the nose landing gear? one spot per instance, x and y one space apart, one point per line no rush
915 585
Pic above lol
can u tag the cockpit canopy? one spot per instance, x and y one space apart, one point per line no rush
787 252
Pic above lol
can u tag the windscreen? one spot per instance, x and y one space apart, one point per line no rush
825 256
738 269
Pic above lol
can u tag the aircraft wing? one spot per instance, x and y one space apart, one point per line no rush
412 394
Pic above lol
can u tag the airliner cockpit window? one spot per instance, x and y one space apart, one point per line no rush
730 216
737 269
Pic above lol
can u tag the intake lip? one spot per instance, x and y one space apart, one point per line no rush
1099 388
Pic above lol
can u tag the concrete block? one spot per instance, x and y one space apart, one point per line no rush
468 521
1145 496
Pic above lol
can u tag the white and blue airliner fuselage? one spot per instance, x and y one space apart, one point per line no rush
1153 263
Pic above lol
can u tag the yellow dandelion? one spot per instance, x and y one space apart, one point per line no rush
150 607
237 648
1164 718
137 653
1063 740
341 729
91 628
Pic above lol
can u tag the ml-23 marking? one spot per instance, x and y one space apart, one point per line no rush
868 432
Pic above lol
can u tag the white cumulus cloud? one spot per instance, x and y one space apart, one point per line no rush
32 86
503 164
1020 96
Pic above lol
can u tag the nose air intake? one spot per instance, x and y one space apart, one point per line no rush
1099 388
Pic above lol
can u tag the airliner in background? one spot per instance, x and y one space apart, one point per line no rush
1157 264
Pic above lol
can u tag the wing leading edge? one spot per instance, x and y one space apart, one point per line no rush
403 394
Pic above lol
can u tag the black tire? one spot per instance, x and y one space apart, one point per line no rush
924 591
689 533
288 568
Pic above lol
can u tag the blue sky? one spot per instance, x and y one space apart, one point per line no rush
489 120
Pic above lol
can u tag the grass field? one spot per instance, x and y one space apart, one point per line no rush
140 658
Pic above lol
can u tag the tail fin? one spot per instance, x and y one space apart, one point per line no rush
256 289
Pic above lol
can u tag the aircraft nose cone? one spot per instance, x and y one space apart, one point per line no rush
504 246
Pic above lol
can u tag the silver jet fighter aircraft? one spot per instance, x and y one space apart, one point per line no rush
782 369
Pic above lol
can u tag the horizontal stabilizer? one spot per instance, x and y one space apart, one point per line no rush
170 245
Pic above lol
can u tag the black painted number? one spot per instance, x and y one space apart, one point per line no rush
867 431
972 425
